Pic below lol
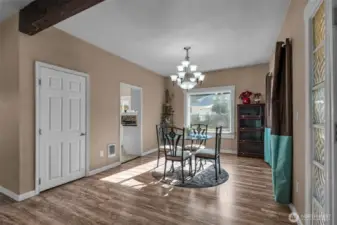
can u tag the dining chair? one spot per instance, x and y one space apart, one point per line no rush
211 154
197 129
160 141
174 140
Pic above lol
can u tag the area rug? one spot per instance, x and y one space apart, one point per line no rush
205 176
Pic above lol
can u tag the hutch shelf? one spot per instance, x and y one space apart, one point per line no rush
251 122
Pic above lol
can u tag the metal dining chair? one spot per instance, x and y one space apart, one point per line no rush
160 141
211 154
174 140
197 129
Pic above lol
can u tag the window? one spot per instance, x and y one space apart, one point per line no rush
212 106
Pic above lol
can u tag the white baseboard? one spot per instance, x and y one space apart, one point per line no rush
293 210
15 196
228 151
149 152
102 169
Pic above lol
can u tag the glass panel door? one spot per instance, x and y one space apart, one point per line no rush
318 115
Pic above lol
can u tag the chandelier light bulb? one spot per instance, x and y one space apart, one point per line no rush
193 68
187 85
197 74
181 74
193 79
174 77
185 63
202 77
180 68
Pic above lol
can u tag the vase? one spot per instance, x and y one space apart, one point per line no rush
246 100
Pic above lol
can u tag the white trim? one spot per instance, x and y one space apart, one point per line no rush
332 68
104 168
308 12
39 65
329 129
149 152
230 89
293 210
334 119
228 151
15 196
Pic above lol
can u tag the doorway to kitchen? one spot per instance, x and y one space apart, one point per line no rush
131 137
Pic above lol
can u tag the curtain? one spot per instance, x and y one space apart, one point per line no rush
282 124
268 110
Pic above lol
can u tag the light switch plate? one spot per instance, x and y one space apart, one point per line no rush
101 153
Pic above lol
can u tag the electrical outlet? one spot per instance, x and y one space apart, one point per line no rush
297 186
101 153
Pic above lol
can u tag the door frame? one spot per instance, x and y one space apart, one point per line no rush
141 118
330 115
38 66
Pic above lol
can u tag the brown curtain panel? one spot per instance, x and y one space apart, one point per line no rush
268 119
282 123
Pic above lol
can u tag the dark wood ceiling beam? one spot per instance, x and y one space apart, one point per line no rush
41 14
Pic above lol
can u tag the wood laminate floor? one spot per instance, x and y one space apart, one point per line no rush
129 195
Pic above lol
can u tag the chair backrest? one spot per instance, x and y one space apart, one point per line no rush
174 140
199 129
218 132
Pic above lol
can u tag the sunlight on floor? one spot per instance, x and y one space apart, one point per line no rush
125 178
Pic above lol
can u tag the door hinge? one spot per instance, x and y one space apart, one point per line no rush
39 181
40 132
40 81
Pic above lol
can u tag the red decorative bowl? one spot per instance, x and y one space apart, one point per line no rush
246 100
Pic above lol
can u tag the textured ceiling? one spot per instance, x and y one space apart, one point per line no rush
152 33
9 7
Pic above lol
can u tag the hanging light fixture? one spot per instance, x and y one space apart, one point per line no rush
187 76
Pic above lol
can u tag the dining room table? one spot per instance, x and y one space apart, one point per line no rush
194 137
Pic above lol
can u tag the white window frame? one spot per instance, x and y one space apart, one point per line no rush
223 89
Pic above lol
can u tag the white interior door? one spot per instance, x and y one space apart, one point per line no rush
62 119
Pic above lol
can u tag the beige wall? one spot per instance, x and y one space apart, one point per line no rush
9 102
246 78
106 72
294 28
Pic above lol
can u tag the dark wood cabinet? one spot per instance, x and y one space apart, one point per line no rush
251 122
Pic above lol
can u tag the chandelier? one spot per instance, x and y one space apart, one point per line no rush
188 76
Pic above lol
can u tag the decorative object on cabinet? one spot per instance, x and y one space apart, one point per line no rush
245 97
251 130
257 98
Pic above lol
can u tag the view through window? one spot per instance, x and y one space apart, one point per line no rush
212 108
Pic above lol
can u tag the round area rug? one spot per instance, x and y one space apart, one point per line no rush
205 176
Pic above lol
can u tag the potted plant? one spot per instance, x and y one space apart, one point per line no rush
245 97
